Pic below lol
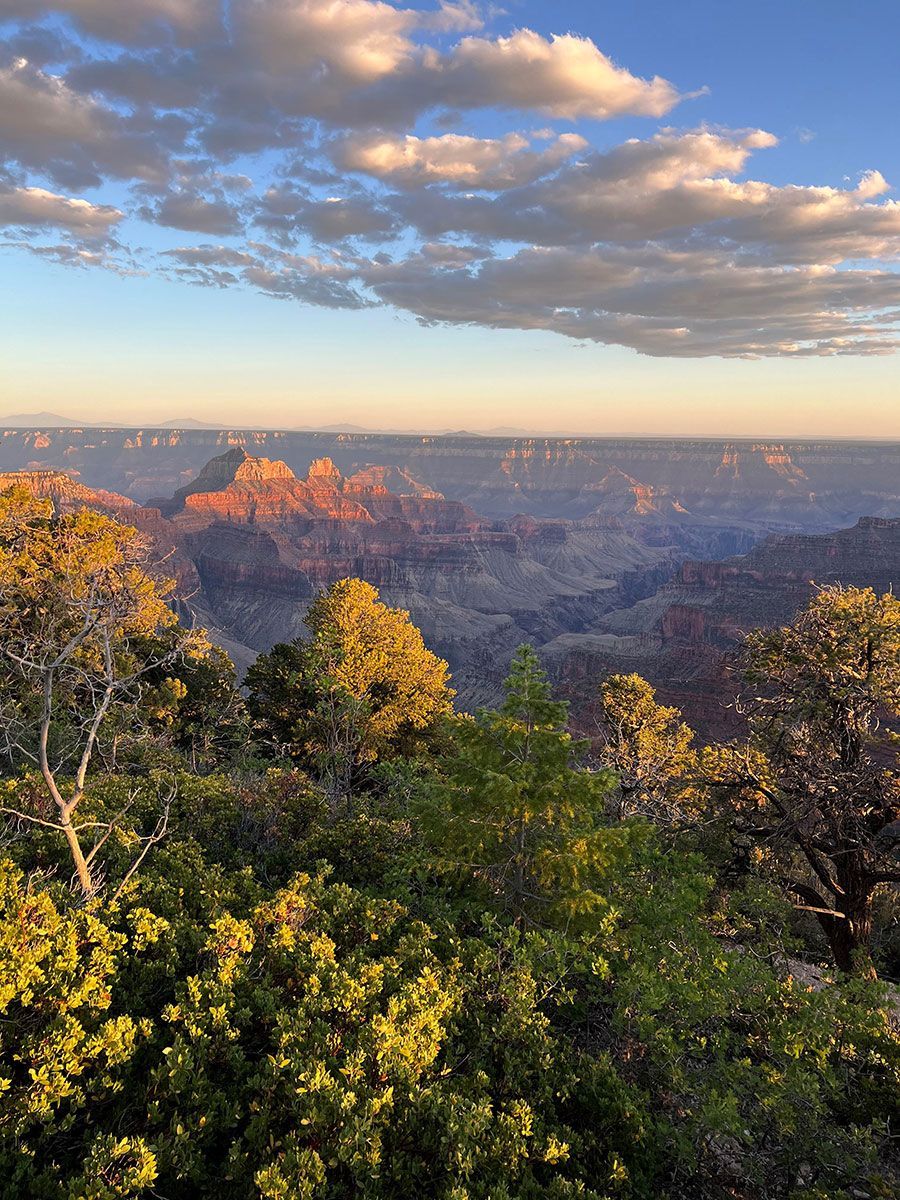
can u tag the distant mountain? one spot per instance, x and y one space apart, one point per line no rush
49 420
42 419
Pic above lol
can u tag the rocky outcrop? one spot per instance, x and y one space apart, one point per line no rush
65 491
242 489
263 542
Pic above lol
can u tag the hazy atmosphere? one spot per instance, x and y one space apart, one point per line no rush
580 217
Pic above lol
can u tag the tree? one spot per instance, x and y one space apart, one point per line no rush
646 744
199 711
76 598
514 808
827 788
362 688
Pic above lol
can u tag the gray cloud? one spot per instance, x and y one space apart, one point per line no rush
190 211
70 137
292 285
123 20
287 211
675 185
656 301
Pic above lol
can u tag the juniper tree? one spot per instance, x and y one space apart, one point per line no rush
821 773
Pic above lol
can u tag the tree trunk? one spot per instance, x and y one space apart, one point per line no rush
82 870
849 938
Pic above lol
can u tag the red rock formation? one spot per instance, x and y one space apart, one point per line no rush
65 491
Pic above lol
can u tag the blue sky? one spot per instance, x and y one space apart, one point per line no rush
678 219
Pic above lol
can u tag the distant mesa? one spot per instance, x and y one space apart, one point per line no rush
392 479
621 494
188 423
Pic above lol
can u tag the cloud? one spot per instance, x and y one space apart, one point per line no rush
38 207
210 256
361 40
454 16
562 76
489 163
190 211
288 211
306 284
385 154
658 302
670 187
74 254
366 62
72 138
122 20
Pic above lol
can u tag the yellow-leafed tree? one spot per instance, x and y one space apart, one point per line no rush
78 608
362 688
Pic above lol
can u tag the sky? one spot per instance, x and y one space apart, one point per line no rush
580 217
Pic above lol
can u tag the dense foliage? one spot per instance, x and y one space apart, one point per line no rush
513 965
363 687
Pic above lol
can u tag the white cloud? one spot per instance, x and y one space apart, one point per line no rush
363 40
488 163
33 206
562 76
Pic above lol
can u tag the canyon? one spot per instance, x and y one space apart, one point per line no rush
608 554
683 637
784 485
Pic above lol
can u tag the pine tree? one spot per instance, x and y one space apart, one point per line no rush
516 810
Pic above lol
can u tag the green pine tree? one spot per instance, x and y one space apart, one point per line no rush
515 810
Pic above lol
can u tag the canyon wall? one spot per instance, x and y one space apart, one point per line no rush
681 637
657 569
